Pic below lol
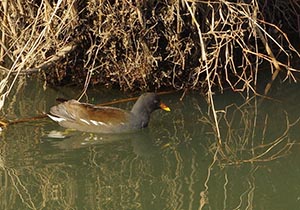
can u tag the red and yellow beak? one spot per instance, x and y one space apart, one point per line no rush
164 107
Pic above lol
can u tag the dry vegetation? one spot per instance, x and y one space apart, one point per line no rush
147 44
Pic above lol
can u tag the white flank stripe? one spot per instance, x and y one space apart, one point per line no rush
57 119
94 122
98 122
102 123
85 121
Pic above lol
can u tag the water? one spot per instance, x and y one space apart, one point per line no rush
173 164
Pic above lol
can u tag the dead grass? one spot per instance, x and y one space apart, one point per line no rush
142 45
33 36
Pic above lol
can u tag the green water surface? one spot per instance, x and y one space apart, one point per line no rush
174 164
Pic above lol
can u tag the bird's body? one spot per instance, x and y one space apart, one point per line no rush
105 119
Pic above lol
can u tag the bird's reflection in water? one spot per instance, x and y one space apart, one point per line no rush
143 142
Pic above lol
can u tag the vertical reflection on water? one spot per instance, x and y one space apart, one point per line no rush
259 131
250 134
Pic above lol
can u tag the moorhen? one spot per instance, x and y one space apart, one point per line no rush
105 119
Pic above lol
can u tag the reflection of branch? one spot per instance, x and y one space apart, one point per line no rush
249 192
272 145
240 130
20 189
204 194
225 189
